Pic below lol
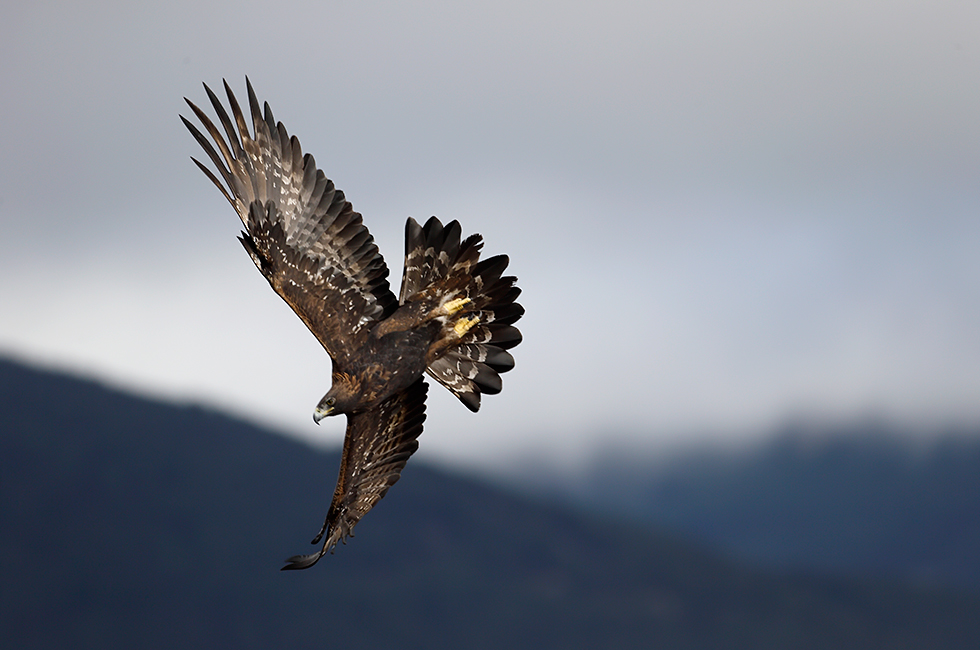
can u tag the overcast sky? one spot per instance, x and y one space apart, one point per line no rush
723 215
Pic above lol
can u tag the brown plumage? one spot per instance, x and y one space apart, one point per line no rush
454 317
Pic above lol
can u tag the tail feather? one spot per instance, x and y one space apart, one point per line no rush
429 252
497 359
490 269
504 337
477 302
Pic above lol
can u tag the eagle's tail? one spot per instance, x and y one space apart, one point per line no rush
474 304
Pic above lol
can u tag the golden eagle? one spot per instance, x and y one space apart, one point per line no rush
453 319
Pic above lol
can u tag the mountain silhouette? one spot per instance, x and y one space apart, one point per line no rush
862 500
128 522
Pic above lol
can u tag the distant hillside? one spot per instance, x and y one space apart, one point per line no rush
863 502
126 523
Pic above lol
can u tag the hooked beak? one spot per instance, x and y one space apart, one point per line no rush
320 413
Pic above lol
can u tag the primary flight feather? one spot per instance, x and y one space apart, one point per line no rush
453 318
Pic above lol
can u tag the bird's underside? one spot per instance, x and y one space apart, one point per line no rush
453 318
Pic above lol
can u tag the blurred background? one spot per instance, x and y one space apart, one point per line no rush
747 236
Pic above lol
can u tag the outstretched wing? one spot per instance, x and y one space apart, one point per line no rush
300 231
378 444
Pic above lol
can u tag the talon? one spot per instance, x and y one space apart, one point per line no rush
464 325
454 306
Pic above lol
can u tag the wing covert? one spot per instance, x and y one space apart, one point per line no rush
301 232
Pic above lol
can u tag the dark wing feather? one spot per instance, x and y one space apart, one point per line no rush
378 444
299 229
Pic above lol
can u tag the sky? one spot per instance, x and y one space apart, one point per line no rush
724 216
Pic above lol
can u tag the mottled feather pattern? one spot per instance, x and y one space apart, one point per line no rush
439 268
378 444
301 279
454 317
261 165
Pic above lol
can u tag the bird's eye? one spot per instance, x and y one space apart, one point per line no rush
330 401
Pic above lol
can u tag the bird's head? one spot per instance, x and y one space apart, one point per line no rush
339 399
327 406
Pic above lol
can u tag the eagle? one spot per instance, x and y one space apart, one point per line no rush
453 319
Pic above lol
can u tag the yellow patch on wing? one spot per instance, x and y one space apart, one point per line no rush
454 306
464 325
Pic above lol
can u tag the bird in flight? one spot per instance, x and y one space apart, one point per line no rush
453 319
